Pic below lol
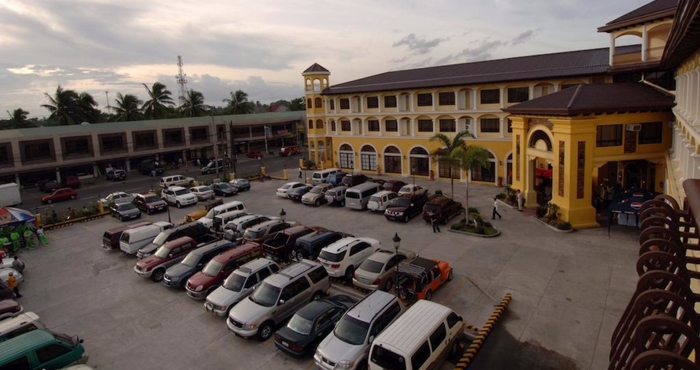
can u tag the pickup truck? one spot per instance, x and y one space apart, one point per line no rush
169 254
280 247
198 232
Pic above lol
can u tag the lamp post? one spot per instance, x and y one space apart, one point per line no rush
282 214
397 243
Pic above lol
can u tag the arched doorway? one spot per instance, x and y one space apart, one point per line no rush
392 160
509 169
320 147
346 156
419 162
368 158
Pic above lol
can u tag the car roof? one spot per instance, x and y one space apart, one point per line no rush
417 266
264 225
408 331
175 188
146 195
25 342
382 255
439 200
314 308
294 229
290 273
235 252
255 265
370 306
383 192
341 244
210 247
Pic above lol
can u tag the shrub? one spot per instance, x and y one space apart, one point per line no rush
501 196
564 226
487 224
438 192
480 230
457 226
472 211
540 212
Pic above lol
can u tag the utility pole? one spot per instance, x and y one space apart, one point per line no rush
215 138
268 132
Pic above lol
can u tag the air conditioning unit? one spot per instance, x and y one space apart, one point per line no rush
634 127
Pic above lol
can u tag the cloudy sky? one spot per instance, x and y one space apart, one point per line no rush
263 46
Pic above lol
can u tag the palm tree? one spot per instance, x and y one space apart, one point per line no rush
63 107
446 154
18 118
469 157
87 105
193 104
239 104
159 102
127 108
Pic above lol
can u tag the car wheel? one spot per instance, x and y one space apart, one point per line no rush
449 276
342 203
148 211
300 256
428 295
265 331
121 219
72 197
157 275
405 219
388 285
178 205
317 203
348 273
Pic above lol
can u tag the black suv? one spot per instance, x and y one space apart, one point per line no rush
176 276
405 207
147 165
352 180
443 208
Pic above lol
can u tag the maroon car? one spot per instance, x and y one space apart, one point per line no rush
219 268
254 154
169 254
9 308
59 195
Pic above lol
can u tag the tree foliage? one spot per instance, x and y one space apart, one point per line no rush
469 157
238 103
193 105
67 107
447 154
159 102
127 108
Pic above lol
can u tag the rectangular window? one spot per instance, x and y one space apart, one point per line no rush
651 133
390 101
391 125
344 103
4 155
77 147
487 174
420 356
438 336
200 134
510 126
518 94
425 125
448 125
446 98
346 160
490 125
173 137
368 162
608 135
425 100
392 163
491 96
37 151
373 125
332 103
113 143
333 126
372 102
344 125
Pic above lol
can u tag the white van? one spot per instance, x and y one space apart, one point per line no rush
222 219
175 180
378 202
19 325
132 240
319 177
208 220
358 196
421 338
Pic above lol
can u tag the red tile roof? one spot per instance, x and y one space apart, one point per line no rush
654 10
596 99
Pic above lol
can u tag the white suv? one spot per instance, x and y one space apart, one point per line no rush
342 257
178 196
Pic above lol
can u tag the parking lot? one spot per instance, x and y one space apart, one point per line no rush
569 290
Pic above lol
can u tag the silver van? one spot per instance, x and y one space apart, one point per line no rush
358 196
132 240
378 202
336 196
222 219
208 220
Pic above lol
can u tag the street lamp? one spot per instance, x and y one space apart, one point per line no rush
282 214
397 243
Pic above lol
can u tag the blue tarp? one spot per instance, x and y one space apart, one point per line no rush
10 216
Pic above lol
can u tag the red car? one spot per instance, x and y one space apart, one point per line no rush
254 154
219 268
286 151
59 195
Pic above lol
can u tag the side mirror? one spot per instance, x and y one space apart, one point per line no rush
170 255
281 302
371 339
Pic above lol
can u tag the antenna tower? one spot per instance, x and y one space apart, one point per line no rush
181 79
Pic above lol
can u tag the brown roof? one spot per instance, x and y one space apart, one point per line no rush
596 99
533 67
316 68
654 10
684 38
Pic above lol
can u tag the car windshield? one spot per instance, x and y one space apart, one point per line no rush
204 189
161 238
191 260
315 190
286 186
374 198
251 234
234 282
300 325
152 199
432 207
371 266
224 186
266 295
401 202
125 206
162 252
332 257
351 330
212 268
182 192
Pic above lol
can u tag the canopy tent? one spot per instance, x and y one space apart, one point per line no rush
626 204
10 216
541 172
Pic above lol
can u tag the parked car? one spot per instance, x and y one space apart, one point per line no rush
202 192
208 219
148 165
169 254
317 195
150 203
353 180
222 219
263 231
405 207
311 324
335 178
6 271
219 268
131 240
42 349
49 186
336 196
10 308
124 211
393 185
195 230
286 151
175 180
413 189
380 201
202 210
239 285
296 193
378 271
342 257
310 246
117 197
284 189
216 165
235 229
178 196
176 276
224 189
419 278
442 207
110 238
59 195
254 154
116 175
240 184
280 247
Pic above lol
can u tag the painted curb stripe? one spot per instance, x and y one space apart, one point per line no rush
483 333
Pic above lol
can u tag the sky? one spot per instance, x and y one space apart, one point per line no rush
105 47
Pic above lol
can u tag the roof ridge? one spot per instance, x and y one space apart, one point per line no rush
573 97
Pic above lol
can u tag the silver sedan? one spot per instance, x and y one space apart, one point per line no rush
377 271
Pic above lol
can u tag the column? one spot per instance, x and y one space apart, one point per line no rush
58 150
531 93
456 107
413 126
501 129
694 170
434 98
612 49
410 102
689 162
473 98
17 180
58 175
645 43
362 105
500 92
530 192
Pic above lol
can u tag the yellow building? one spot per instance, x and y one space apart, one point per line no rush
561 122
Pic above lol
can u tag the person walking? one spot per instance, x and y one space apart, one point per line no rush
17 264
300 172
12 283
435 223
495 210
520 200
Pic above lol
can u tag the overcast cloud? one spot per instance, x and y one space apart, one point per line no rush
262 47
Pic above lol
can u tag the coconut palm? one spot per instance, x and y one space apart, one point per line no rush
127 108
469 157
159 103
446 154
87 105
63 107
193 104
18 118
239 104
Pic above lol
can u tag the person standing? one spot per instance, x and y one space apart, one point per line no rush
435 223
12 283
17 264
520 200
495 210
300 172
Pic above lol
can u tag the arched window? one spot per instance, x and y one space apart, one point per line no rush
392 160
486 174
308 103
347 156
419 162
311 124
368 158
308 84
318 103
317 85
319 123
